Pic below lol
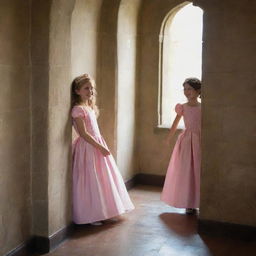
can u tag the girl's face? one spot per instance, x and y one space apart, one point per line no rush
86 91
190 92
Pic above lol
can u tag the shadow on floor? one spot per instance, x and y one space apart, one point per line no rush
181 224
185 227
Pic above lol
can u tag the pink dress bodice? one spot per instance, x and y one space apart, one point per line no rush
90 120
191 116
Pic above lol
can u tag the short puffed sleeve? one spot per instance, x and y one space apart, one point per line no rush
77 112
179 109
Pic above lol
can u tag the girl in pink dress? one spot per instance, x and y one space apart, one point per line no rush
99 192
182 183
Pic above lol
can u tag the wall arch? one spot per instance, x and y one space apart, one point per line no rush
53 70
152 15
107 72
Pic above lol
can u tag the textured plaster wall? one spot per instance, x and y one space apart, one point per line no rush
127 86
39 114
153 153
107 72
228 188
15 180
84 34
59 133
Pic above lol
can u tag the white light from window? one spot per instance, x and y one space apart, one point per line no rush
182 58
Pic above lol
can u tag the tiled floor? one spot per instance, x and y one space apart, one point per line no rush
152 229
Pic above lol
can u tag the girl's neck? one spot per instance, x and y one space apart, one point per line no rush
193 102
84 103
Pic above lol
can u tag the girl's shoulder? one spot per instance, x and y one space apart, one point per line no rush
179 108
78 111
76 107
180 105
82 107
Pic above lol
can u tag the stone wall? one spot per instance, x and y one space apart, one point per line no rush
153 153
39 114
15 122
229 109
127 86
59 124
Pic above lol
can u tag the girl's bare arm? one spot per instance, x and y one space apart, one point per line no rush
174 127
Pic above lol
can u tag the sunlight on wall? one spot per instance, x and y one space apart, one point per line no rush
182 58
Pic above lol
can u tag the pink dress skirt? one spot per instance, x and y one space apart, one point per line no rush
99 191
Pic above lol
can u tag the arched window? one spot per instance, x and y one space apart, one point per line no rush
180 57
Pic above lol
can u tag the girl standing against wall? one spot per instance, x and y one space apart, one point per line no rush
99 192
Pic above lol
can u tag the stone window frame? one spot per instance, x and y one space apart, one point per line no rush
167 21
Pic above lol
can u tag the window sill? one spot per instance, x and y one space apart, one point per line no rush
165 129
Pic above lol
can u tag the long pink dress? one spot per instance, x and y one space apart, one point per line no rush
182 183
99 192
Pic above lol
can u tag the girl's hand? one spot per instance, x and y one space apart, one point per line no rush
104 151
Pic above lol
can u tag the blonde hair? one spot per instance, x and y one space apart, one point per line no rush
77 83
